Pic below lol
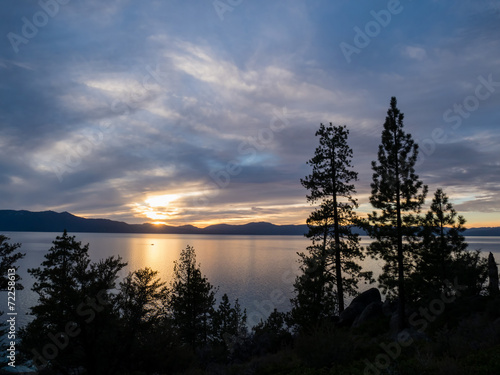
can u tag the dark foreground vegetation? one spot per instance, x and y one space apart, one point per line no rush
441 313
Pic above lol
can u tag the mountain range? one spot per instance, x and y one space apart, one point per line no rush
50 221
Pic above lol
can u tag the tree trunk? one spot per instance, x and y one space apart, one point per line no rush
443 250
399 233
322 267
338 264
401 276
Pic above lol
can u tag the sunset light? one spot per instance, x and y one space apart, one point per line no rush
162 200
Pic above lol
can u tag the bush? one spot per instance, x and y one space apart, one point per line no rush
325 346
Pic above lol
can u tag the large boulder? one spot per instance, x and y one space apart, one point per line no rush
394 324
357 306
389 307
372 311
493 275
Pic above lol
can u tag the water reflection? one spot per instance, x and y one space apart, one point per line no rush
259 270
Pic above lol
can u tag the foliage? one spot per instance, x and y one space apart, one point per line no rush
315 299
8 260
272 334
228 319
397 194
141 305
329 270
192 300
325 346
443 254
74 320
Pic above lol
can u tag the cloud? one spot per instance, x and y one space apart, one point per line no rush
416 53
112 104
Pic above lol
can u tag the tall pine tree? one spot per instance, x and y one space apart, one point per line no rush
398 194
74 309
329 270
142 306
192 300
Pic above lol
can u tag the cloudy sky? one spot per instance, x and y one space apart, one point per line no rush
205 111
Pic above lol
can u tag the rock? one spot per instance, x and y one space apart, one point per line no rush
349 315
496 324
493 275
358 305
389 307
368 296
394 323
372 311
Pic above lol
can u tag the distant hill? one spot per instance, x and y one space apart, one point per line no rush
489 231
50 221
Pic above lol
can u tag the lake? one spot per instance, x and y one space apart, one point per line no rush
258 270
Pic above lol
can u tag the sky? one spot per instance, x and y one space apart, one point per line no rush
202 112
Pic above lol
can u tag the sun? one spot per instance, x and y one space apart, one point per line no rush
159 208
162 200
158 223
162 208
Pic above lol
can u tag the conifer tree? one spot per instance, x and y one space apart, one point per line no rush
315 299
442 253
398 194
141 296
73 318
329 270
142 306
8 279
192 300
273 333
229 320
229 327
8 259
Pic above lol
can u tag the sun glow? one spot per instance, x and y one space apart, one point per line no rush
158 222
162 208
162 200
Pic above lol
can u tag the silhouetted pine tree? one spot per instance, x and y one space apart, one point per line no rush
398 194
442 253
315 299
271 335
329 270
73 319
8 260
229 320
229 327
142 306
192 300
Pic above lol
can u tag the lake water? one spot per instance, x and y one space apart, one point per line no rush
258 270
